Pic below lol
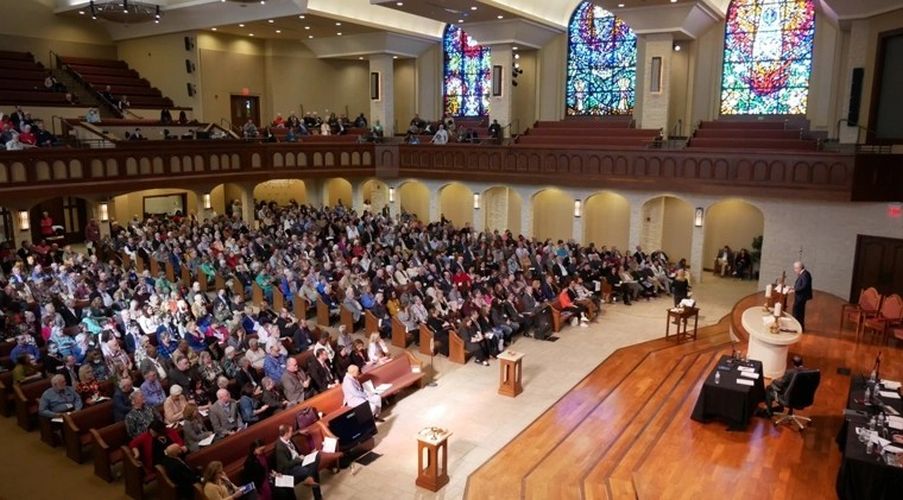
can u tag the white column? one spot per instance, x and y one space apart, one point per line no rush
394 203
500 106
654 107
247 203
577 232
435 205
636 223
696 248
526 214
383 109
314 189
357 196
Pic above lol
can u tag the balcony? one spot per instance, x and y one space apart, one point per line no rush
158 164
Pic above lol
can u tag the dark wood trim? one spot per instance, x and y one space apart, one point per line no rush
877 75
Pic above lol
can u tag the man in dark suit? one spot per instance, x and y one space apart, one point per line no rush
802 291
320 371
179 472
779 385
289 462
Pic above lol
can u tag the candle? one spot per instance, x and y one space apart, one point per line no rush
768 291
777 309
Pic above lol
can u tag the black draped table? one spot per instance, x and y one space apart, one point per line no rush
864 476
729 401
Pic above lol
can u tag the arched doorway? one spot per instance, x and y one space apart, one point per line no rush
376 194
606 220
667 225
502 208
553 215
336 190
735 223
414 198
456 204
282 191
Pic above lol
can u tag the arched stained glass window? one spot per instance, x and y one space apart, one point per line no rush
601 63
468 74
767 57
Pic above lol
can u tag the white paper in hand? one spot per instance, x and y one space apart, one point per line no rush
368 386
329 444
207 441
381 388
309 459
284 481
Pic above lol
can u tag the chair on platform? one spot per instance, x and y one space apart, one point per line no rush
800 394
866 307
890 314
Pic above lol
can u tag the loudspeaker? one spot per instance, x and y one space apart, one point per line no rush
543 326
191 90
189 43
855 96
189 66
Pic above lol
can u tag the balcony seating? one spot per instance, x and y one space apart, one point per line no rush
750 134
596 133
22 81
98 73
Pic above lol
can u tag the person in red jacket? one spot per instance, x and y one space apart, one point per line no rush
567 304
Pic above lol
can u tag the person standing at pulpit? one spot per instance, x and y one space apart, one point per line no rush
802 291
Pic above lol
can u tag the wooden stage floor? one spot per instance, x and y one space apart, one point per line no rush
625 430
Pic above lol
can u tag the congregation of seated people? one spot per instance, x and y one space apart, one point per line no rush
447 130
18 131
211 364
735 264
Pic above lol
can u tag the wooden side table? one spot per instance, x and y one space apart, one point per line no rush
682 316
510 373
432 458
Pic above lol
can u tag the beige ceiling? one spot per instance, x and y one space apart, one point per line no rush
449 11
295 28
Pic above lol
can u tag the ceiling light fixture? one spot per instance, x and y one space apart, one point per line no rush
460 21
339 33
250 34
400 4
278 31
621 5
473 8
673 1
300 17
338 24
270 21
310 36
123 11
81 12
212 29
514 47
241 25
500 16
360 58
516 56
676 47
394 57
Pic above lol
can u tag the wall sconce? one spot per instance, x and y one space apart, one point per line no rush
104 211
24 220
697 219
476 201
207 202
391 195
578 208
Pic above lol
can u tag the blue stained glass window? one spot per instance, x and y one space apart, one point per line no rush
767 57
601 73
467 76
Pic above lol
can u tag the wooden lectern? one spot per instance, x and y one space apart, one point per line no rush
432 469
510 371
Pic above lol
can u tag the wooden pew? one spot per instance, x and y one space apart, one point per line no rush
300 306
371 322
170 271
186 276
427 336
107 448
139 264
77 426
202 280
7 396
26 397
134 474
457 352
278 299
237 287
322 313
154 268
219 282
125 260
256 294
559 317
347 319
400 336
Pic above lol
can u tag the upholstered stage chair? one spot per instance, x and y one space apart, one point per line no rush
890 314
800 394
866 307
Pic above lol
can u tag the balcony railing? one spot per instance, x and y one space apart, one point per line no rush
190 164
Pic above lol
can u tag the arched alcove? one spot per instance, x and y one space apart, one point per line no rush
414 198
667 224
553 214
376 194
282 191
732 222
501 206
336 190
456 203
606 220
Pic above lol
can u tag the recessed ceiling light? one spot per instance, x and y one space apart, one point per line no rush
212 29
500 16
514 47
339 33
81 12
278 31
250 34
241 25
360 58
473 8
621 5
516 56
310 36
394 57
307 27
400 4
460 21
300 17
673 1
270 21
263 2
338 24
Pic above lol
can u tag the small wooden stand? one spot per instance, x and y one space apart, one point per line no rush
432 471
510 373
682 317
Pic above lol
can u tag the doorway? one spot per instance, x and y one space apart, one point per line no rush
878 263
244 107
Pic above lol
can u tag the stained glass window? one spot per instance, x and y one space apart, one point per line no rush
601 63
767 57
468 74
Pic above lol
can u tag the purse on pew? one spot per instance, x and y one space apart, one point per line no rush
307 416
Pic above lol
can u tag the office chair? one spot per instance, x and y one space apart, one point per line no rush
800 394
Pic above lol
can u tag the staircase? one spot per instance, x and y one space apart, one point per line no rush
85 95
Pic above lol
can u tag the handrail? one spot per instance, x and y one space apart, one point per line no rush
103 100
859 130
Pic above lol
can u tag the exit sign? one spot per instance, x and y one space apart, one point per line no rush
895 210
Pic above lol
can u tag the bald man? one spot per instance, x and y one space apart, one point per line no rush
802 292
355 394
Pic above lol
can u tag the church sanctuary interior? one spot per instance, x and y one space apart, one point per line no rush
451 249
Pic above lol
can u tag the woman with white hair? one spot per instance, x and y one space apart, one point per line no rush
174 406
377 351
